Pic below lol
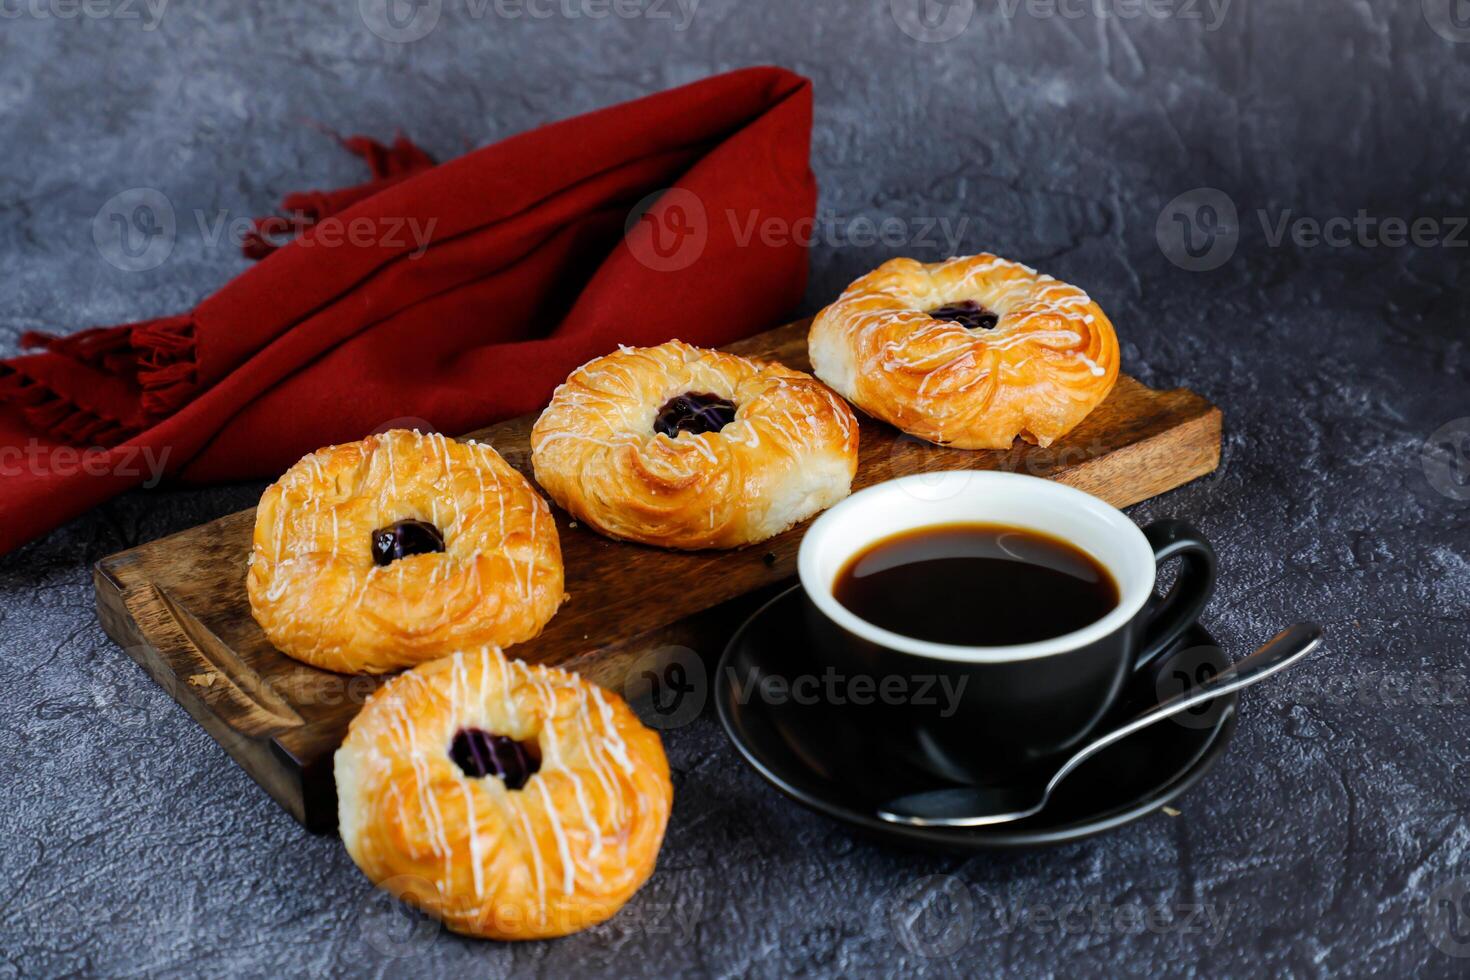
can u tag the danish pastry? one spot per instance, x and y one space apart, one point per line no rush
689 448
384 553
971 352
508 801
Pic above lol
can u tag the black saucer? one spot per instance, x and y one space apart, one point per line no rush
828 761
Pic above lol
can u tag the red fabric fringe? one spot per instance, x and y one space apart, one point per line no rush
303 209
167 371
58 416
107 348
159 354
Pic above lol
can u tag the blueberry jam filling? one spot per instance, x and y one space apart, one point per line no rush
478 754
969 314
694 412
403 538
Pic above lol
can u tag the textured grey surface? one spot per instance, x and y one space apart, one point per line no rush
1333 837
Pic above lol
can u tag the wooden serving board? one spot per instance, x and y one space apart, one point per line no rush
178 605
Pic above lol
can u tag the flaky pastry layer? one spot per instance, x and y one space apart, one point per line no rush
563 852
1051 357
318 595
790 452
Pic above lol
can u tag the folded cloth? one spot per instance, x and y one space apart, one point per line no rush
458 294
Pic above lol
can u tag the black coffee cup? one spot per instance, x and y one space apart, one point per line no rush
993 710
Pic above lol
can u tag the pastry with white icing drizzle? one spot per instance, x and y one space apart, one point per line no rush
972 352
683 447
508 800
400 548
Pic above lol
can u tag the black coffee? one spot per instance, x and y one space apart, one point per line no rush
976 585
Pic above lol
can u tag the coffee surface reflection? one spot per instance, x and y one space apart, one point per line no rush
976 585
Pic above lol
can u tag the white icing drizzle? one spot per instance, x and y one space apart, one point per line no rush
477 854
1036 313
593 761
552 437
316 545
589 822
596 451
529 837
613 741
392 486
569 874
506 693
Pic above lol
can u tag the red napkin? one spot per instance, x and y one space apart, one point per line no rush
457 294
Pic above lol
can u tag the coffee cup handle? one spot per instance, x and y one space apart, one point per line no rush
1170 616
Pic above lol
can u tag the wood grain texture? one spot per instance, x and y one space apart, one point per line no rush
178 605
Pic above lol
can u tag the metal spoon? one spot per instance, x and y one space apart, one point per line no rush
978 806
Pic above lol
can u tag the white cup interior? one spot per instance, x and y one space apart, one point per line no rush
961 496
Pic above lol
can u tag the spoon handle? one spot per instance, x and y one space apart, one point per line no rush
1278 653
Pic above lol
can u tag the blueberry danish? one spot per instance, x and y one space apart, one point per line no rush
403 547
683 447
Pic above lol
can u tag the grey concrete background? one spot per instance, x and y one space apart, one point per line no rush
1332 839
